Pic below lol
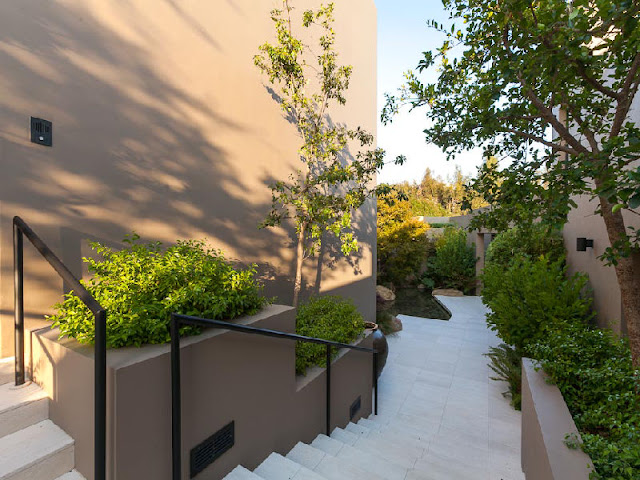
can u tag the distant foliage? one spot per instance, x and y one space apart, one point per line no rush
454 263
532 298
530 241
402 243
142 284
330 318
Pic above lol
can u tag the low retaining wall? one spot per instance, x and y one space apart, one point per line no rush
226 376
546 421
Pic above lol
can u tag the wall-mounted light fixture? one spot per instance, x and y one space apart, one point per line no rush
583 243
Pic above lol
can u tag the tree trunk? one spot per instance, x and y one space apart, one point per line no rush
297 285
628 274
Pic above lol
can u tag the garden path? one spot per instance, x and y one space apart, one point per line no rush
437 379
441 417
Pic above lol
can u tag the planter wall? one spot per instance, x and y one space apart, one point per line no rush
226 377
546 421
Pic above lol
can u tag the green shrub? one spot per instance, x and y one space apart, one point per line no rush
330 318
532 298
530 241
439 225
453 264
402 242
594 372
506 363
142 284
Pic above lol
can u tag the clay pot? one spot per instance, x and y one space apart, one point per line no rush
380 344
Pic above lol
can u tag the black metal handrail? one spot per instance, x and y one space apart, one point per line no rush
21 228
177 320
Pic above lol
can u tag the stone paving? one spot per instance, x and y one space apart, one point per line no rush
437 380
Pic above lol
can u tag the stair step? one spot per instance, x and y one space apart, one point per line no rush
305 455
72 475
241 473
277 467
372 462
39 452
371 425
335 468
21 407
7 372
344 436
327 444
357 429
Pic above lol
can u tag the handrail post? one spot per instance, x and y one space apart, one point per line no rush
328 419
18 304
176 421
375 382
100 392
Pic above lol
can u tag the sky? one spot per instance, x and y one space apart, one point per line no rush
402 36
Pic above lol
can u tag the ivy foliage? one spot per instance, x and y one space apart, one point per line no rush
402 243
330 318
141 285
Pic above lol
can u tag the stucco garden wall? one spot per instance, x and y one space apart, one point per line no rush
163 125
225 377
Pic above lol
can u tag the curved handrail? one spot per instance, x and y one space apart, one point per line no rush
176 413
20 229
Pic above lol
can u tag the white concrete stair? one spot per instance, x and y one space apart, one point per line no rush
32 447
39 452
21 407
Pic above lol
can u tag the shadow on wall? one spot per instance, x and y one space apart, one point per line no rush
134 147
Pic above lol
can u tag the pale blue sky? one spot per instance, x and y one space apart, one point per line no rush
402 36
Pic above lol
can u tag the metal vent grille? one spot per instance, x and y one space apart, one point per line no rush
207 452
41 131
355 407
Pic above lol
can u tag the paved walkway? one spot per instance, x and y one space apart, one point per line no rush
437 381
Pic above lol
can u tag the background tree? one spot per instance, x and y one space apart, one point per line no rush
515 70
324 193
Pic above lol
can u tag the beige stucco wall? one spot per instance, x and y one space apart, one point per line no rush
546 423
584 222
163 125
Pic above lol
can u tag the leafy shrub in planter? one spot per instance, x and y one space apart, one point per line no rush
142 284
532 298
330 318
402 242
593 370
506 363
454 263
531 241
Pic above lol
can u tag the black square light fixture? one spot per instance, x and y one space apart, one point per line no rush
583 243
41 131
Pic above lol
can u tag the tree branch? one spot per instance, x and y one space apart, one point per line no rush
555 146
629 88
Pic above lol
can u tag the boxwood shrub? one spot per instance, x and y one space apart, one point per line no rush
330 318
142 284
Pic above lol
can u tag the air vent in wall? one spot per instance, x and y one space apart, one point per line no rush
41 132
355 408
207 452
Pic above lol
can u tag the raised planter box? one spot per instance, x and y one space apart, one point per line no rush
546 422
226 377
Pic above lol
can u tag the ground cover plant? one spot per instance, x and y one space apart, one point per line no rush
453 264
330 318
143 283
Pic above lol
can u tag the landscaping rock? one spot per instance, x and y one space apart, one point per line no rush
447 292
383 294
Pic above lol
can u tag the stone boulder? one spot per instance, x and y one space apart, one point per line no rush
384 294
447 292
